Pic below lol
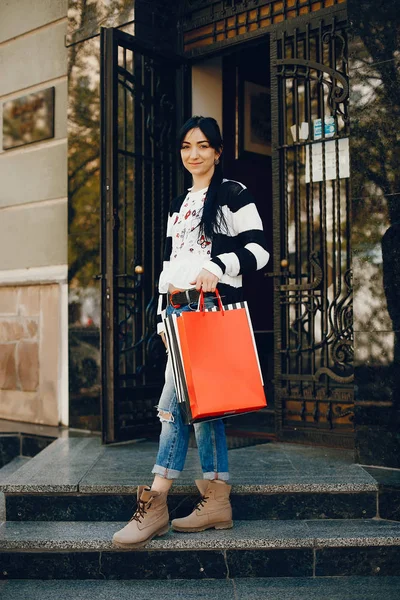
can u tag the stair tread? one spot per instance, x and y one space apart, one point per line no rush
293 588
84 536
10 468
83 465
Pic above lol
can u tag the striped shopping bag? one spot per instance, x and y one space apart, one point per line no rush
215 362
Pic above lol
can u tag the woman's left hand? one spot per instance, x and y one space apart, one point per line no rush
206 281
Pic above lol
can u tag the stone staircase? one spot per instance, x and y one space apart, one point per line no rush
308 523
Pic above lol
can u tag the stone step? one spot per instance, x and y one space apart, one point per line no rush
295 588
12 467
311 548
79 479
5 472
252 504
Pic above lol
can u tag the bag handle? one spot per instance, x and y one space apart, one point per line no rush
201 302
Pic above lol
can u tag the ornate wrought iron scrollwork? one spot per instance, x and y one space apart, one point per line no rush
339 338
332 375
341 320
313 285
310 304
151 342
338 95
336 81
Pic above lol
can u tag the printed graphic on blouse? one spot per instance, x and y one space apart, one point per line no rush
185 224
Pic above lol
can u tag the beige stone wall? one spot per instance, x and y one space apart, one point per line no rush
29 353
207 89
33 220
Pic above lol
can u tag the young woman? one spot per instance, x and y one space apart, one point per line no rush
214 235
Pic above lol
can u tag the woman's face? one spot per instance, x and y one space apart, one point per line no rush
197 155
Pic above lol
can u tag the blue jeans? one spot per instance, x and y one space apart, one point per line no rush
174 437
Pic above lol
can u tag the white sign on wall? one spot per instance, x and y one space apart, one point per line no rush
317 155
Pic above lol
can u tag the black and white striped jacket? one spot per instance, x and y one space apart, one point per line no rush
238 250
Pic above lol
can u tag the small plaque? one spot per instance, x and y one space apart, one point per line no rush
28 119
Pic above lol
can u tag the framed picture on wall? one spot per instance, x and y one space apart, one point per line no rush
255 119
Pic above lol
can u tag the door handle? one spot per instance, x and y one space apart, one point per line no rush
283 273
138 271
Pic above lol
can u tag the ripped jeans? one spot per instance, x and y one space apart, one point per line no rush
174 437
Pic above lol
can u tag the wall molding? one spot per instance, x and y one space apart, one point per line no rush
31 32
34 275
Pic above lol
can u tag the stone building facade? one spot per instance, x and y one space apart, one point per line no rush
59 44
33 221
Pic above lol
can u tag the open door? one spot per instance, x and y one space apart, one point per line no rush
140 107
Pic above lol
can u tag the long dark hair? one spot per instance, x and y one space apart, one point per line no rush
212 217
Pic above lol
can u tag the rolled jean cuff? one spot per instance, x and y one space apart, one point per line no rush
212 475
166 473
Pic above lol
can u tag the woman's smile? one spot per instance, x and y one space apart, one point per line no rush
197 154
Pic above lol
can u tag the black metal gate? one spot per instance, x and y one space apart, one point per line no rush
138 162
312 270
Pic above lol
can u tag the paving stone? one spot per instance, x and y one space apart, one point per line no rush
343 588
58 468
269 468
12 467
122 469
83 464
350 532
123 590
80 550
78 535
348 588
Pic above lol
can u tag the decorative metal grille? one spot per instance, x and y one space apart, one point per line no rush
207 25
313 308
138 181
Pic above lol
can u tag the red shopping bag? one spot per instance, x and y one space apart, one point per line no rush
217 363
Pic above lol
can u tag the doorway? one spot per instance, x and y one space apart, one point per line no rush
286 138
235 90
248 159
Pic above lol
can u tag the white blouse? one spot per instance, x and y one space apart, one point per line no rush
188 252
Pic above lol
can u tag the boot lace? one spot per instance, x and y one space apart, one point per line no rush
201 502
140 511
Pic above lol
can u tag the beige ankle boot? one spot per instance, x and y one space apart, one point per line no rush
213 510
150 519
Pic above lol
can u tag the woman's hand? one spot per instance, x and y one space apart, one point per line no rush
206 281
